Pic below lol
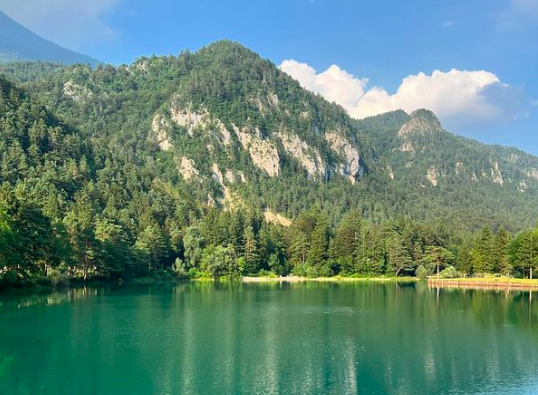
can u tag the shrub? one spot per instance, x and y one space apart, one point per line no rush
449 272
266 273
58 278
422 272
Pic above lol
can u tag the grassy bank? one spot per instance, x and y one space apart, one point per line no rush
296 279
486 282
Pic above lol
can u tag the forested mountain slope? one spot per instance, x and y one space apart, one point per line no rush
17 43
477 180
217 162
282 147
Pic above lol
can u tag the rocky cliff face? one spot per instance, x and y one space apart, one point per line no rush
308 157
352 161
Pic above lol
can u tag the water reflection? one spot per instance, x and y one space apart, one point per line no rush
270 338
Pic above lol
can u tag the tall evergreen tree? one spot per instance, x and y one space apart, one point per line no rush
482 255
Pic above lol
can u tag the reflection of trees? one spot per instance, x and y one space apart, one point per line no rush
49 298
497 308
313 337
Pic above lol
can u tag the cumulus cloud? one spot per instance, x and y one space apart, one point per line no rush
334 84
461 99
71 23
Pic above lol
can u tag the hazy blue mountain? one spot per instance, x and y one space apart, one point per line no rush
18 43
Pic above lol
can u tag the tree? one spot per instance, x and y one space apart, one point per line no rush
115 250
463 261
482 255
501 261
319 246
299 249
523 251
438 257
250 247
8 243
347 242
193 242
399 259
152 244
219 261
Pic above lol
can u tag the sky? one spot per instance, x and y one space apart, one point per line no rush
473 62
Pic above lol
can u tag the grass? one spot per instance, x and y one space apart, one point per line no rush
490 281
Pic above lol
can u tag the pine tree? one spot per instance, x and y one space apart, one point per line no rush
524 252
482 252
347 242
319 246
251 255
501 263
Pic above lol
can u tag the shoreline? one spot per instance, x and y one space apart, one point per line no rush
298 279
492 283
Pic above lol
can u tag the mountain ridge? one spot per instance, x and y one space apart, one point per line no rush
217 163
225 106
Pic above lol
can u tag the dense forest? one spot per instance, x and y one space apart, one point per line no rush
177 166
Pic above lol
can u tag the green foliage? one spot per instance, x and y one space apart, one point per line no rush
482 254
438 257
524 252
422 273
86 192
219 262
449 272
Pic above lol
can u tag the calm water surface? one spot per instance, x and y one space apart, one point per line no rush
315 338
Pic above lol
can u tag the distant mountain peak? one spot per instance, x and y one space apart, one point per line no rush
17 43
422 122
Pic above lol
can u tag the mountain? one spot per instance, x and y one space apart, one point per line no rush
216 162
17 43
419 156
224 106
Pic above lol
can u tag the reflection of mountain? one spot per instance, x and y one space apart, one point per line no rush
18 43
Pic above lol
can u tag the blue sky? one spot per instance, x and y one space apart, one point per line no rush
491 46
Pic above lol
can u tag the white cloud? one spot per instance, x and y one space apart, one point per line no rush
334 84
71 23
448 23
461 99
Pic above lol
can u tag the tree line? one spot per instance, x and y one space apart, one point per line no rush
87 244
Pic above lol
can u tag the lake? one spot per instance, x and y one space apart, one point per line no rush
269 338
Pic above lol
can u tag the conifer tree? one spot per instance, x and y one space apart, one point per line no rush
482 252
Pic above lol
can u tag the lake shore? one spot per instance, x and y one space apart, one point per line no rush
485 283
298 279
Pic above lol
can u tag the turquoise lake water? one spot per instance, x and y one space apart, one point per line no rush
313 338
